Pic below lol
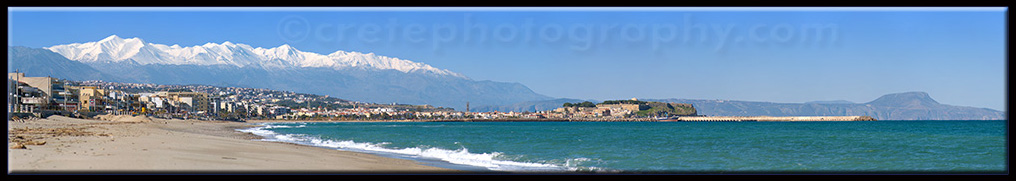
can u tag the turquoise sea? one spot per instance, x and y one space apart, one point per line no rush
724 147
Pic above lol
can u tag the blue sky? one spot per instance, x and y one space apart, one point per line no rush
755 54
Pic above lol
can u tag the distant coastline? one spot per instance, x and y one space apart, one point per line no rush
677 119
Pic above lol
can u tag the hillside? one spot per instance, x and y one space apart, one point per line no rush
661 109
646 108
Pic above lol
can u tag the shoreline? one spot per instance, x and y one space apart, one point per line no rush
426 162
60 144
678 119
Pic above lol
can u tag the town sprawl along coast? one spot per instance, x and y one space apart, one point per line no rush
90 98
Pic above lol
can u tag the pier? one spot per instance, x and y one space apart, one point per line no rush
769 118
678 119
542 120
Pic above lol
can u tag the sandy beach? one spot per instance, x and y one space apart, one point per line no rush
326 120
125 144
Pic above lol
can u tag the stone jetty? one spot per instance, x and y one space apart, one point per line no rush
770 118
677 119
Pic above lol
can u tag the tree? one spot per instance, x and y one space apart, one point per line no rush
581 104
623 102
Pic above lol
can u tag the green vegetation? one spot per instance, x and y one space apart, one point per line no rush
581 104
624 102
660 109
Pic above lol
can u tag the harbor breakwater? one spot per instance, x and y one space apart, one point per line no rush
771 118
677 119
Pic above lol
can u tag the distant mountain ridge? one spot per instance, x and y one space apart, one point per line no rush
115 49
355 76
897 106
40 63
830 102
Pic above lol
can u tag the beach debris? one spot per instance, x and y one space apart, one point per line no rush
124 118
34 142
20 139
34 136
17 145
52 131
22 119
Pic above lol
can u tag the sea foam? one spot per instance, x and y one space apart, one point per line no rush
460 156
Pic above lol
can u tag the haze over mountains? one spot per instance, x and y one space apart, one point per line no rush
37 62
897 106
367 77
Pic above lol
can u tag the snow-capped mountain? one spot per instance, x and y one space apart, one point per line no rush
114 49
364 77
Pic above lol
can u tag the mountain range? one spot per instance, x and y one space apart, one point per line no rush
114 49
367 77
37 62
897 106
364 77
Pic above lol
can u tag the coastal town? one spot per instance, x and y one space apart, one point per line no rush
43 96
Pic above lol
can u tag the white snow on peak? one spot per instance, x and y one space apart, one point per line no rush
116 49
110 48
357 59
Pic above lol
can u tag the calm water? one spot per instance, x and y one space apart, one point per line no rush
890 146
